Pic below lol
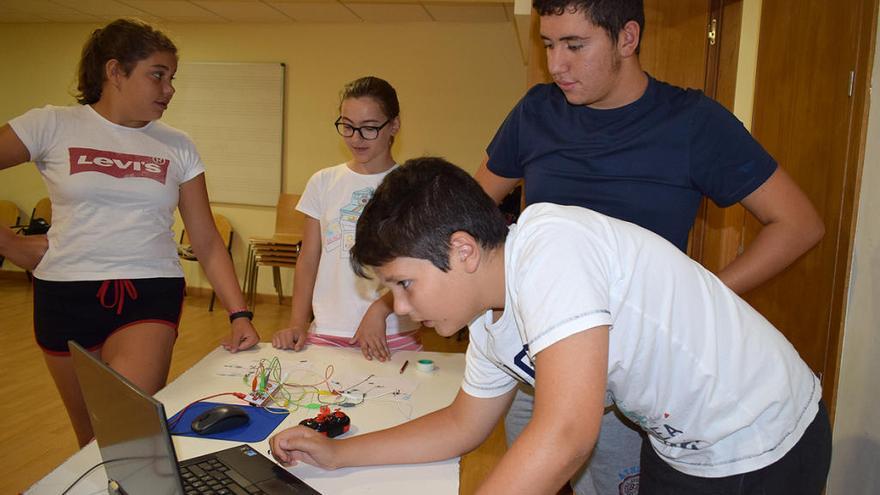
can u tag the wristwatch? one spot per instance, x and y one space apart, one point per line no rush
241 314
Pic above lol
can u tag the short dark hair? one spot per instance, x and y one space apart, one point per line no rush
415 211
610 15
126 40
376 88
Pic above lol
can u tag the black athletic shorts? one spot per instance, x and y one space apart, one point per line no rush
803 470
88 312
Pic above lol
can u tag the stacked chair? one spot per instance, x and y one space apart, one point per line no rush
279 251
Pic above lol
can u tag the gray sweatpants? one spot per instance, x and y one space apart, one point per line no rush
613 469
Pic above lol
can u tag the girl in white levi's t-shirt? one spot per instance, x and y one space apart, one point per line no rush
348 310
107 275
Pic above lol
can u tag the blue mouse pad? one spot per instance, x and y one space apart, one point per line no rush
261 424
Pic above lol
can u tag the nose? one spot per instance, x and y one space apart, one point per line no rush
401 305
556 61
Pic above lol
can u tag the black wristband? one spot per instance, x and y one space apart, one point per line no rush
241 314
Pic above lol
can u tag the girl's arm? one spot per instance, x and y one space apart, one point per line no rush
371 331
214 258
25 252
304 276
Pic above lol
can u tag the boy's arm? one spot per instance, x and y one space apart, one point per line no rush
496 187
443 434
791 226
570 379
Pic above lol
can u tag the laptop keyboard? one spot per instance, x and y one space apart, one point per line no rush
213 477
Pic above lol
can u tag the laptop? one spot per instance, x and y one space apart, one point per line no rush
132 434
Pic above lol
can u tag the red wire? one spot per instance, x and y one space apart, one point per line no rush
179 416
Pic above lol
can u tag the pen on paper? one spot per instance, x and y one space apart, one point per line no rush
405 364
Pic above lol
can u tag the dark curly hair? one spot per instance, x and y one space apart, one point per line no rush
126 40
416 209
610 15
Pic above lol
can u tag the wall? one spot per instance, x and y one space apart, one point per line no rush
747 61
857 423
456 83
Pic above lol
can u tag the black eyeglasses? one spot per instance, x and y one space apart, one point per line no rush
368 132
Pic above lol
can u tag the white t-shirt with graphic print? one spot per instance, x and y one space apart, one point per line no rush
336 197
113 189
717 388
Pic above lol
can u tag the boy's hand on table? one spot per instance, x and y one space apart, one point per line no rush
290 338
301 444
371 336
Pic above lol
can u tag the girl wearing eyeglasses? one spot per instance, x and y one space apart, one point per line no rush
348 311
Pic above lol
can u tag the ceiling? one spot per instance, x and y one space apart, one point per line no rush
255 11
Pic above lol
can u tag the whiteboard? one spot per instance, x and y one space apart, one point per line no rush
234 113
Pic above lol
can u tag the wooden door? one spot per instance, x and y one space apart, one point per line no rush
674 44
810 117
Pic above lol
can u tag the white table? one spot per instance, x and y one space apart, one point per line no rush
434 391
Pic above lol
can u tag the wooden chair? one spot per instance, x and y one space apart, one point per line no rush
9 217
43 210
184 249
279 251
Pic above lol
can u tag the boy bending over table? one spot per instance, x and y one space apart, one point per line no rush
579 305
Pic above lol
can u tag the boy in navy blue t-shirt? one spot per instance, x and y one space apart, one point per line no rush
609 137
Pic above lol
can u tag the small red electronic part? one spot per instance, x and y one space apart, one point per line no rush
332 424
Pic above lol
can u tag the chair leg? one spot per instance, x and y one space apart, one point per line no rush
250 277
276 274
213 296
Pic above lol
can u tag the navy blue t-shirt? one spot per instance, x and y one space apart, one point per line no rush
649 162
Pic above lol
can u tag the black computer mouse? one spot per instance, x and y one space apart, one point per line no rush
220 418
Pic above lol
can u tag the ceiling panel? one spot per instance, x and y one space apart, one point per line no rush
243 10
317 11
255 11
390 12
104 9
462 12
175 10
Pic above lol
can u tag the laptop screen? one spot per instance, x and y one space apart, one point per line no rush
130 428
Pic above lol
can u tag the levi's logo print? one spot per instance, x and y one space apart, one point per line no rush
340 232
119 165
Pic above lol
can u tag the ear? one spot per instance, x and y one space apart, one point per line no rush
464 251
395 125
628 39
113 72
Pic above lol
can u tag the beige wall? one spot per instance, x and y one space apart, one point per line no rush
456 82
857 423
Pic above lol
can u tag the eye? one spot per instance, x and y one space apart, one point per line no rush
405 284
574 47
